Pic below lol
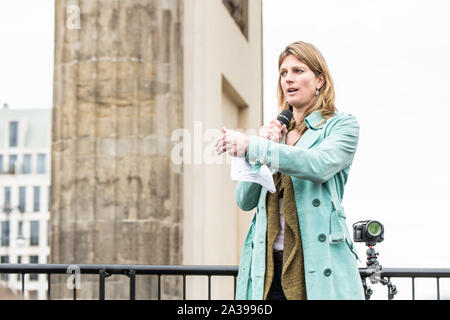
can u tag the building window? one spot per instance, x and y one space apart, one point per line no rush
34 233
13 133
34 259
20 230
4 259
22 195
7 200
37 196
5 234
49 198
40 163
26 164
12 163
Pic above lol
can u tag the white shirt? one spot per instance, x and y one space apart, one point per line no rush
279 241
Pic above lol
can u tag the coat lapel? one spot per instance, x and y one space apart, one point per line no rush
308 138
314 130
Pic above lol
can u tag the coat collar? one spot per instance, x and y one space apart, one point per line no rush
313 119
310 136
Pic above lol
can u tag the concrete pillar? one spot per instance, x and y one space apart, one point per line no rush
118 88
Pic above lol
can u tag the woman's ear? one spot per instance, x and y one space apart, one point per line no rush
320 81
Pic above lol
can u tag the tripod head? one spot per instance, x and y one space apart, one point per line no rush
372 257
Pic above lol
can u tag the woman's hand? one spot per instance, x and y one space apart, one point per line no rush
233 142
273 131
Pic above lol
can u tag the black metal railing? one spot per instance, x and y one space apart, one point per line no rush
132 271
412 273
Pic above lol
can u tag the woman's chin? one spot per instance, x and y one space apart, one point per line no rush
294 103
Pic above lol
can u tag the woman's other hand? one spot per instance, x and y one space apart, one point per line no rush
233 142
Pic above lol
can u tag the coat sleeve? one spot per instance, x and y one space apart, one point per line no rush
319 164
247 195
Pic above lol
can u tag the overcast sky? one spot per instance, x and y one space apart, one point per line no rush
26 56
390 64
389 61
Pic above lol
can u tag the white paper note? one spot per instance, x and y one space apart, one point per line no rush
242 170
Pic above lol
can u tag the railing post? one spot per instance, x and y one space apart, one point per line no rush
209 287
132 274
48 286
234 287
184 286
23 285
102 284
438 289
159 286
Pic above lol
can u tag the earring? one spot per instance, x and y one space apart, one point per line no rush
317 92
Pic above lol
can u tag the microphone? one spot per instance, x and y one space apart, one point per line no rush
285 117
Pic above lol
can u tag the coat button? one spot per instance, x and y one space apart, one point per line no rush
327 272
316 202
322 237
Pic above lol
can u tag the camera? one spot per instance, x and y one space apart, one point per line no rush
369 231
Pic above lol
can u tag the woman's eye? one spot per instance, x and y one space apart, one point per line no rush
299 70
283 73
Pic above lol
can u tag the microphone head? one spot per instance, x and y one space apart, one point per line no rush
285 117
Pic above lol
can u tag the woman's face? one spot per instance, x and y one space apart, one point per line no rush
298 82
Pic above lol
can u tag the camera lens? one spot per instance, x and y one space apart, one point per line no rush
374 228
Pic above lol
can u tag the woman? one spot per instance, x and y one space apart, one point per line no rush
298 245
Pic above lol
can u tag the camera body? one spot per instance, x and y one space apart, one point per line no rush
369 231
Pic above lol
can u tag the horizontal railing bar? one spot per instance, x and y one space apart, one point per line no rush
409 272
120 269
193 270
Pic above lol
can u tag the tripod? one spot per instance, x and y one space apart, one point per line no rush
374 267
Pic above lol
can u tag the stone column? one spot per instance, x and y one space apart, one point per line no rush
118 88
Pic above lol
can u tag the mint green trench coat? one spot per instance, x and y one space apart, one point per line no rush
318 165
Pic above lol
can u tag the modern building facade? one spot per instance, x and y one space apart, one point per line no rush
25 194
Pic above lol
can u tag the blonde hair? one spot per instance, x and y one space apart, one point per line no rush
311 56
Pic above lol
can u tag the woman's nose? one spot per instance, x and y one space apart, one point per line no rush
288 77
